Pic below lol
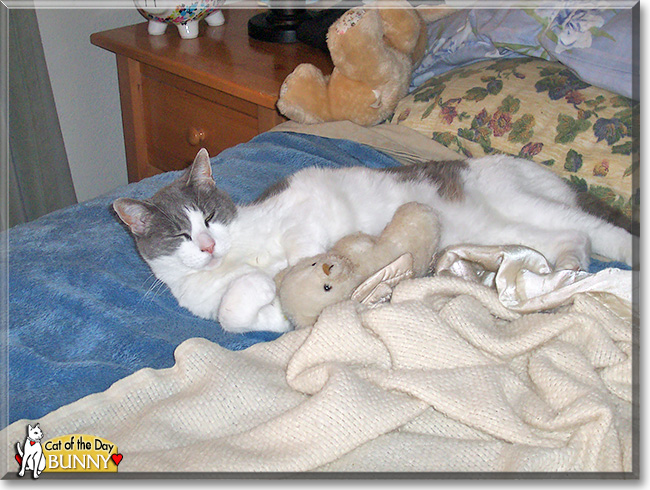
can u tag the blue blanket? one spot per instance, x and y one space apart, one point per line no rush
84 309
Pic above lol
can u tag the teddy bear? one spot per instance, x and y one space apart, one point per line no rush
361 267
374 51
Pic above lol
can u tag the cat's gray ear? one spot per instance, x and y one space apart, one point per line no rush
201 170
135 214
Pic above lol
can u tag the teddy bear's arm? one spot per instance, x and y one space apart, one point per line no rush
304 97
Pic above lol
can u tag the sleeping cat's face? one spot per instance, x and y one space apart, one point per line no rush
184 225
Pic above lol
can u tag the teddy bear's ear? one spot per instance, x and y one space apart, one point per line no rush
378 288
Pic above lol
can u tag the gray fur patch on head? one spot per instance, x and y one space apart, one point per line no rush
160 224
446 175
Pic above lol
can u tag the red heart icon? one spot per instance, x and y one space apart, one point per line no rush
116 458
19 459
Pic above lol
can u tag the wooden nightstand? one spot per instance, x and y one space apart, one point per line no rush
215 91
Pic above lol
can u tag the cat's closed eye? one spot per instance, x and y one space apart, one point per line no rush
208 219
184 235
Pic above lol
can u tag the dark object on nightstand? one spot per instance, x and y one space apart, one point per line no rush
313 31
278 25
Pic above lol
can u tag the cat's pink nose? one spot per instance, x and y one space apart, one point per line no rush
206 243
208 248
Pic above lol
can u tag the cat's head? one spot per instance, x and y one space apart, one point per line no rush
34 433
184 225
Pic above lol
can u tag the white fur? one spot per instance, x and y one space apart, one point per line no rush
507 201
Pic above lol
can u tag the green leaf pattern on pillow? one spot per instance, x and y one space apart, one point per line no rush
534 109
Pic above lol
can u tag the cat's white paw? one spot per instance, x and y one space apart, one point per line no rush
244 301
573 251
271 318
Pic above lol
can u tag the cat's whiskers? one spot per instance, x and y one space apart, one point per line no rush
154 289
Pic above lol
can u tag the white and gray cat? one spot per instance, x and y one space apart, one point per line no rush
219 259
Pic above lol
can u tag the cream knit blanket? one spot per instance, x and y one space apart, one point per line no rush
442 378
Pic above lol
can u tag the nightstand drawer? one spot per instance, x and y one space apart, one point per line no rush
182 117
215 91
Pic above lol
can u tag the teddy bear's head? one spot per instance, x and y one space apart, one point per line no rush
361 267
374 51
315 283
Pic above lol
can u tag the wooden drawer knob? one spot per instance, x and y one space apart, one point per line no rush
195 136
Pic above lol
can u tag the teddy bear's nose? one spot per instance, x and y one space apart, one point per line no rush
327 268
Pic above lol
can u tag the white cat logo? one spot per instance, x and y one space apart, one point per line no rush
31 456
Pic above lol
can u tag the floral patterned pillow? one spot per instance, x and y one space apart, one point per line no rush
535 109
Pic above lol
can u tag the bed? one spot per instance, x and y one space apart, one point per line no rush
446 377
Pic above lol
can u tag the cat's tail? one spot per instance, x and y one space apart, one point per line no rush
595 207
20 451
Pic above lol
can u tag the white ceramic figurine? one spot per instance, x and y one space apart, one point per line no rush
185 16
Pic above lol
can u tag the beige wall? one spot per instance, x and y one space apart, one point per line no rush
84 82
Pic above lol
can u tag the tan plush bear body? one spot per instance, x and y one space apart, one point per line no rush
405 248
374 51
